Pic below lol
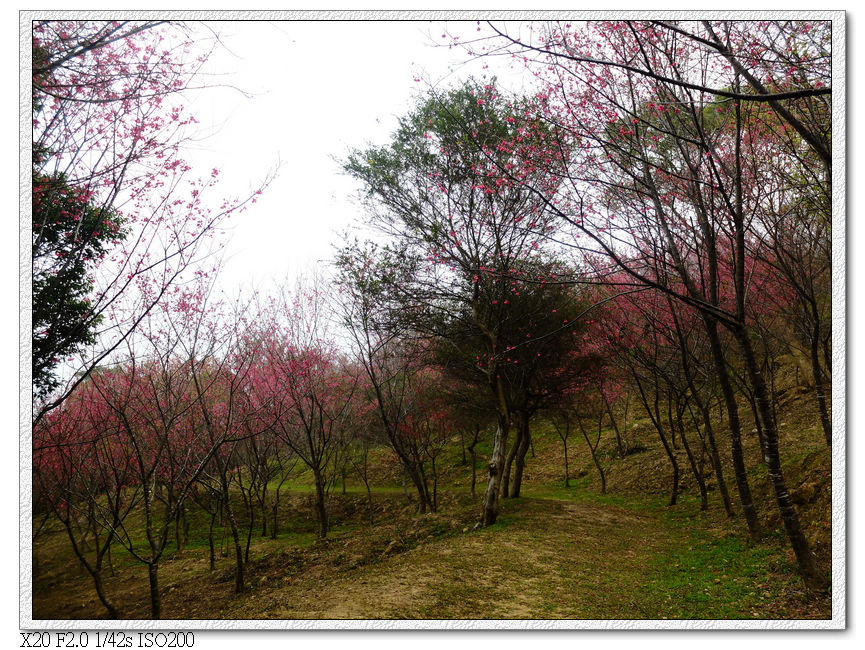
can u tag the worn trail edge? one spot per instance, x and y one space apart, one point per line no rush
544 559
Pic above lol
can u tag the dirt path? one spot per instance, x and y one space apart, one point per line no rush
544 559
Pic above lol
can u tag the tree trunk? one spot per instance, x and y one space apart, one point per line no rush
761 438
525 439
416 476
210 542
235 534
320 504
801 548
739 471
490 507
564 439
819 384
103 597
155 598
369 501
704 410
249 531
594 457
714 457
178 529
698 475
509 460
567 471
435 495
473 456
262 499
655 418
620 445
94 571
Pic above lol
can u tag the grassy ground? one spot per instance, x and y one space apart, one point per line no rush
556 552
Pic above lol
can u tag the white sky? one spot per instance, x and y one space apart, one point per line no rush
319 89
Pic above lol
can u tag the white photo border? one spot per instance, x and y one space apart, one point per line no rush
839 340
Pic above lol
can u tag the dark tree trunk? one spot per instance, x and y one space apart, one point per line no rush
103 597
263 501
714 457
567 471
435 500
655 417
94 570
698 474
620 445
249 532
509 460
490 505
415 473
369 501
178 529
819 384
235 534
473 456
320 503
560 422
594 455
423 486
525 439
704 410
110 561
155 598
210 542
758 425
670 419
801 548
739 470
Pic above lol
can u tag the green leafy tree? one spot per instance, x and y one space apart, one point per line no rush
451 192
70 235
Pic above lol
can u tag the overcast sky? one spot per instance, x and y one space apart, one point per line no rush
317 90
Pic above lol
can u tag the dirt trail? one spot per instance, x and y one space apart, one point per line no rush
544 559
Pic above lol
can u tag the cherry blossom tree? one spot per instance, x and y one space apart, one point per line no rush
657 119
118 215
83 477
158 416
305 385
385 350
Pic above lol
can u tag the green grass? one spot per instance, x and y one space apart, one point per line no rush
715 579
